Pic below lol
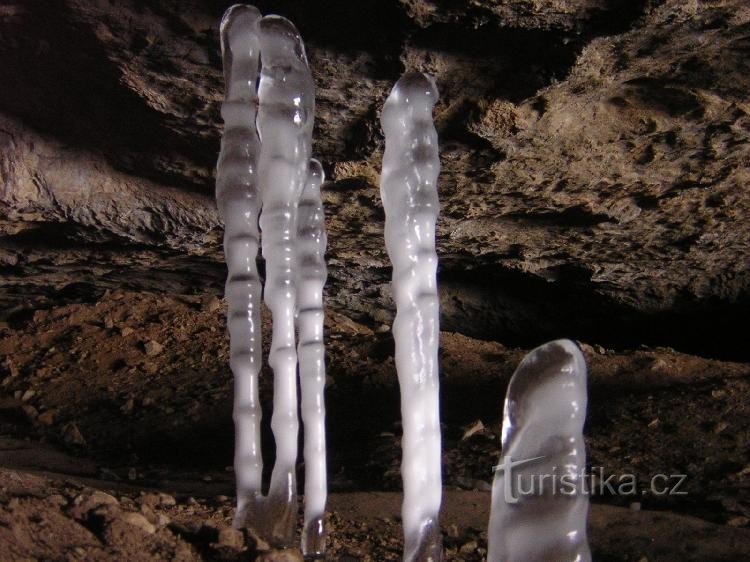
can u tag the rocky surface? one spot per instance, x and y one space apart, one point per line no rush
593 152
132 391
123 523
594 156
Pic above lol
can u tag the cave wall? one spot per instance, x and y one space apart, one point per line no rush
594 158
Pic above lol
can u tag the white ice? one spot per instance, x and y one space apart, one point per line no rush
285 122
539 503
311 244
263 167
239 204
408 188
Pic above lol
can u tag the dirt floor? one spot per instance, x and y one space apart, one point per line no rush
116 439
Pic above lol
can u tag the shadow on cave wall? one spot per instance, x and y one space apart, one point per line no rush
58 79
524 310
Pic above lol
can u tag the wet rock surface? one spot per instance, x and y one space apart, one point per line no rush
595 158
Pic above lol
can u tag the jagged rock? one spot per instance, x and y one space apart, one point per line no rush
591 154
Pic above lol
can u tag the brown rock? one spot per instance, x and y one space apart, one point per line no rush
213 304
138 520
149 514
86 503
153 348
286 555
166 500
231 538
473 429
72 435
47 418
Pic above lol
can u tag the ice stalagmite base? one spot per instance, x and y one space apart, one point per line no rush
239 204
311 239
409 191
539 504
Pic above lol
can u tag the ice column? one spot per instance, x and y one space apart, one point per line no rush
539 503
311 244
408 188
285 122
239 203
267 167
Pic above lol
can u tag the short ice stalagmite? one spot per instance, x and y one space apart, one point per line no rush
539 501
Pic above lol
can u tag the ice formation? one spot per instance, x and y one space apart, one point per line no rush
409 191
263 166
311 241
539 504
285 121
238 199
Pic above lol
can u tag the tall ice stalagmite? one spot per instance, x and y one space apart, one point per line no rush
238 199
285 122
311 240
408 187
263 167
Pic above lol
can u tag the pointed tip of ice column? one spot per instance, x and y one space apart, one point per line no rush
414 90
238 12
416 84
240 48
556 361
286 93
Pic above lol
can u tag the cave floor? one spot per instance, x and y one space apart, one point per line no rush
116 439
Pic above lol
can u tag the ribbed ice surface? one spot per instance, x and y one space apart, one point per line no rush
539 504
409 191
264 164
285 121
239 204
311 244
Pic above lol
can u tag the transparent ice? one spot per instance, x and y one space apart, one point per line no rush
539 504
